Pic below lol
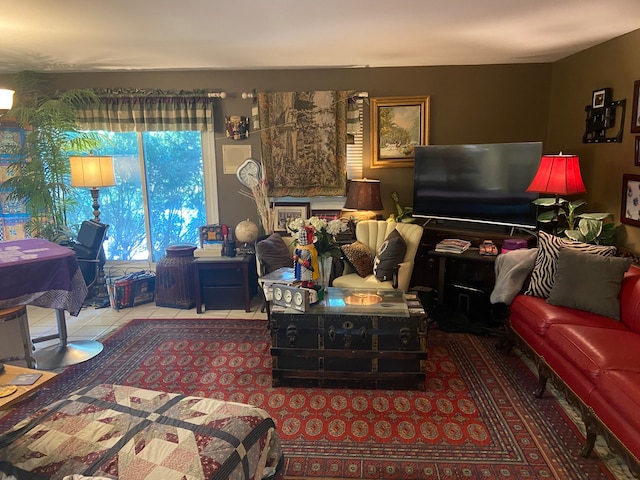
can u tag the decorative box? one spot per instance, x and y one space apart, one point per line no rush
509 244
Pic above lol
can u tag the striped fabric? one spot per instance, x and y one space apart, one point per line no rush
545 266
142 110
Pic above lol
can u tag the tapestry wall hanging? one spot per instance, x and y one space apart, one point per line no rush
304 142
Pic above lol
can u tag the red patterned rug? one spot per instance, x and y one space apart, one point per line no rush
477 418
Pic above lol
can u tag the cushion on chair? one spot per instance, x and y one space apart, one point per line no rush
359 257
274 253
390 253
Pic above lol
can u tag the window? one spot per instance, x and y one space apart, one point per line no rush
159 197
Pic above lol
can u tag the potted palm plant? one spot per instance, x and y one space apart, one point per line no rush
40 167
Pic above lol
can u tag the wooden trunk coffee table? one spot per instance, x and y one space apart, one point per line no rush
357 338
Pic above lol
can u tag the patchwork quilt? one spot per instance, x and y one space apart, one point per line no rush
124 433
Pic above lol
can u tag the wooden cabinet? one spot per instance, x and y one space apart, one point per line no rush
462 281
225 282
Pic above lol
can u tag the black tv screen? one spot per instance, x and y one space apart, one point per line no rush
483 183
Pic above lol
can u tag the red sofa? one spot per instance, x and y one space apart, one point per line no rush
594 360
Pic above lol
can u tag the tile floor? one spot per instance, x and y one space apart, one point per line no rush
96 323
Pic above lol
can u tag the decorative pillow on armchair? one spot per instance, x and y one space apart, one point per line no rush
359 257
390 253
588 282
544 268
274 253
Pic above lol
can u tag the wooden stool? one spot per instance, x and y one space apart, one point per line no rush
19 313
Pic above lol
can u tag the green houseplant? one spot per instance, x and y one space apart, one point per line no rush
595 228
400 214
40 168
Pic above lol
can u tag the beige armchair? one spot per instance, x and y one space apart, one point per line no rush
372 233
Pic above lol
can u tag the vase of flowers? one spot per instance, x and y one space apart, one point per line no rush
323 240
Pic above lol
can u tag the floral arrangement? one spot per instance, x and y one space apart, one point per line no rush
324 235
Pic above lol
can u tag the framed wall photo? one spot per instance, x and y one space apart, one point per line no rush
601 97
636 158
11 138
635 111
398 124
284 212
630 205
326 214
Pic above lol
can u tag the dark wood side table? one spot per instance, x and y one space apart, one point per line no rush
225 282
471 256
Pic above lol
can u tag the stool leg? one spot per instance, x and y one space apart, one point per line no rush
26 341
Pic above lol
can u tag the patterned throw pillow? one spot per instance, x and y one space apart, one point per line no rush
390 253
544 268
359 257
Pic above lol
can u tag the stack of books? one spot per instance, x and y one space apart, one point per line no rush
209 249
452 245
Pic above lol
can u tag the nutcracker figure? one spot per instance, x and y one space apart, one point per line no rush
305 258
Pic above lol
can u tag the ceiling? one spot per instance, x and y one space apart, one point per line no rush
118 35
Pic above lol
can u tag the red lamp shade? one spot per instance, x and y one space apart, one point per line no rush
558 174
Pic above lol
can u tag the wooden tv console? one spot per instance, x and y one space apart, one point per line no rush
469 275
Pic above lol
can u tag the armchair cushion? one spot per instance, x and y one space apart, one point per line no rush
273 253
373 233
390 253
359 257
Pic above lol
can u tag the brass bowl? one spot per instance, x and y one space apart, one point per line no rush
362 299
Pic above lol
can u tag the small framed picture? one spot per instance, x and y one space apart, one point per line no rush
630 205
601 98
635 111
11 139
326 214
636 158
284 212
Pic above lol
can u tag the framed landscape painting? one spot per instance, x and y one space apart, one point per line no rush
398 125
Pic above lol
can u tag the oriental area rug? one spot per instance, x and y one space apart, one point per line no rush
477 418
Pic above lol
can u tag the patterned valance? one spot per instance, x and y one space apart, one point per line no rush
304 142
137 110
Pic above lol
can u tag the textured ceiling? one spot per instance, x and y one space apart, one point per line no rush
75 35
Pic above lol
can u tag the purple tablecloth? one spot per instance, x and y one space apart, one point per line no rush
38 272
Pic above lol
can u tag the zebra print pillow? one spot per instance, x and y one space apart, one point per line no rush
544 268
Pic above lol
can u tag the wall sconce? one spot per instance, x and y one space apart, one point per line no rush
93 173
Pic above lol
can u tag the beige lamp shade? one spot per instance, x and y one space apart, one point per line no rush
92 172
6 99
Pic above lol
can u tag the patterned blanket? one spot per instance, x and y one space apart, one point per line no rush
124 433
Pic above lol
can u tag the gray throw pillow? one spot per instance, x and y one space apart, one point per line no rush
390 253
359 257
588 282
544 268
273 253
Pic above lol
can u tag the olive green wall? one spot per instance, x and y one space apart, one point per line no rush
469 104
614 64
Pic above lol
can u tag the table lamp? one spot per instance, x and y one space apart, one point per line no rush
558 175
93 173
6 100
364 198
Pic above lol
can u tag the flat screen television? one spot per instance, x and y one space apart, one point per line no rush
483 183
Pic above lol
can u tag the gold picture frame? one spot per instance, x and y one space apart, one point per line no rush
398 125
